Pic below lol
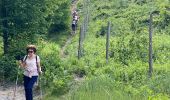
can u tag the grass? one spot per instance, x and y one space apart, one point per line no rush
97 88
59 38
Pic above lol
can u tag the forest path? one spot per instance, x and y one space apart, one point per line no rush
72 8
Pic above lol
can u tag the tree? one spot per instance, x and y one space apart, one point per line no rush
4 25
22 20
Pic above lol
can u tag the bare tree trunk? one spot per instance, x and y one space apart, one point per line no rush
107 42
80 43
150 45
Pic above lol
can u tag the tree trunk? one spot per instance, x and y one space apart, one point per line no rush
150 46
4 26
80 42
107 42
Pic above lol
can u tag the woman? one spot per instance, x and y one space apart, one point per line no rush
31 65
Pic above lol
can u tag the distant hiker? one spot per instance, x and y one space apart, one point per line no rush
74 21
31 65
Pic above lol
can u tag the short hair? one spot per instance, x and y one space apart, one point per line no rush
33 47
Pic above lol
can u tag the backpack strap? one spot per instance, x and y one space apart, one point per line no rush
36 58
37 64
36 61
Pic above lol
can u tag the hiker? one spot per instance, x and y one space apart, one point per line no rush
74 21
31 65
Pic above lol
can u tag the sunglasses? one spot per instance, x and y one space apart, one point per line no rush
30 51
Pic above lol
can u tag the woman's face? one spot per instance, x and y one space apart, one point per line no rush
30 52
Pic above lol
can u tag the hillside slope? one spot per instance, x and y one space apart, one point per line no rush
129 41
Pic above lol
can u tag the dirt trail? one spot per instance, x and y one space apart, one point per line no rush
7 93
62 54
73 7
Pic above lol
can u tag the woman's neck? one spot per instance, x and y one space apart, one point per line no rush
31 56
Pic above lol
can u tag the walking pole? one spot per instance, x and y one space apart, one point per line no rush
40 86
16 82
40 89
41 78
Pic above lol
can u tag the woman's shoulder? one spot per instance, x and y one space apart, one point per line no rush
37 56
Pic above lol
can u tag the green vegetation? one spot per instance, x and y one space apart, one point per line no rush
125 76
128 62
31 22
1 46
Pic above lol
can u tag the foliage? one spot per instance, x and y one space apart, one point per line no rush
105 87
28 22
128 62
55 77
126 74
27 18
6 64
61 18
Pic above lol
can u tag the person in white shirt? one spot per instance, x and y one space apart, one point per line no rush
31 65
